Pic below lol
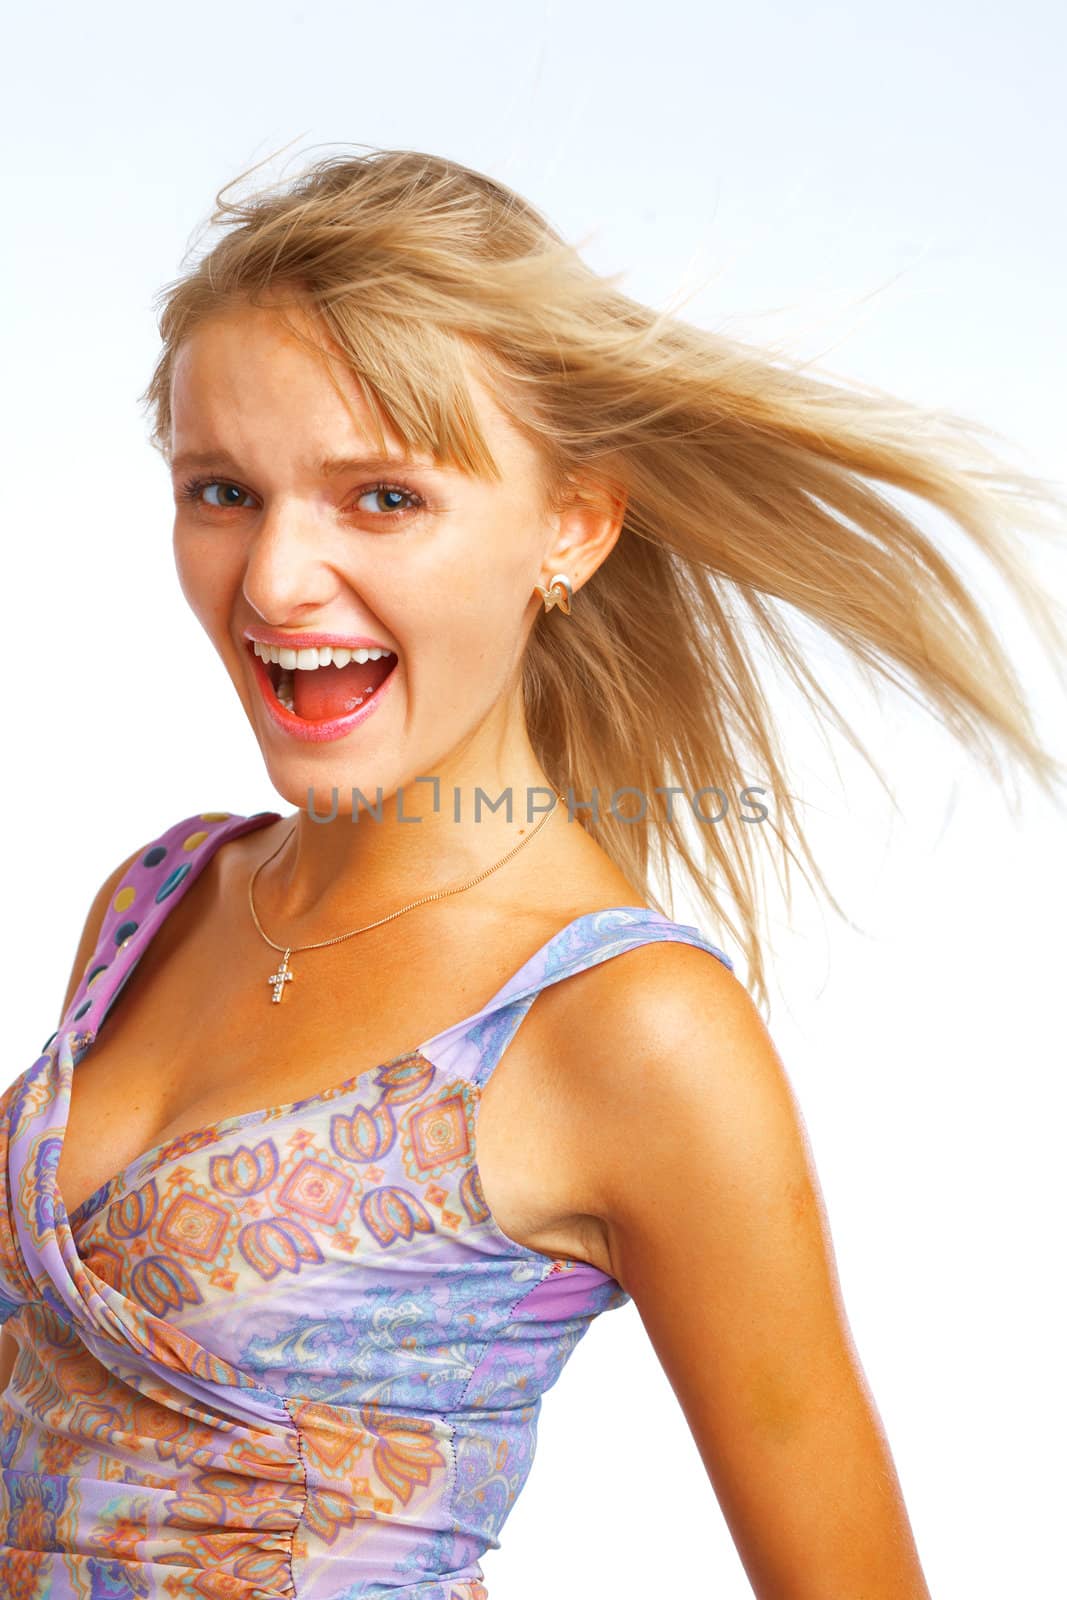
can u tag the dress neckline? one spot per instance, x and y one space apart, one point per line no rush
183 1144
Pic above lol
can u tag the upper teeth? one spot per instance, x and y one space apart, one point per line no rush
317 656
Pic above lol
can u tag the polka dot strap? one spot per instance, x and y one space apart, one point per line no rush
149 891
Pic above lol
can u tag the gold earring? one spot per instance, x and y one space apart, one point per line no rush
558 593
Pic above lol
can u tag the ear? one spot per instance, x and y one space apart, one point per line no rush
585 523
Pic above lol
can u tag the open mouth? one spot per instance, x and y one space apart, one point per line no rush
340 683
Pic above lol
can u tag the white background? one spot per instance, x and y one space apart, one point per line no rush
882 182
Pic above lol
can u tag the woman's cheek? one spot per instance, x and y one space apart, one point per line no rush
206 586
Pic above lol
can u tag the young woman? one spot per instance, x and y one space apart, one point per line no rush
398 1090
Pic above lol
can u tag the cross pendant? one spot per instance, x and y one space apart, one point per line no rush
280 979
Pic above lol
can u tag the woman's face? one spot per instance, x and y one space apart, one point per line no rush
288 531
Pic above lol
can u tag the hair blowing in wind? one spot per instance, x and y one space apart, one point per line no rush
755 497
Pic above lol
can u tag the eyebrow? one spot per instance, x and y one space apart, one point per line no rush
328 467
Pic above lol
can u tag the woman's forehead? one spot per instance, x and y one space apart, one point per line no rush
283 359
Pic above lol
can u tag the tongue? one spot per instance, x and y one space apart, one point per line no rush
331 691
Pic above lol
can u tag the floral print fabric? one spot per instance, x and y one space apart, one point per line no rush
290 1353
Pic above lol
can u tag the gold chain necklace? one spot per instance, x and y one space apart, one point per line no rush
284 975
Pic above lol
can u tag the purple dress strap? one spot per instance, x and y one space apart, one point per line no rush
472 1047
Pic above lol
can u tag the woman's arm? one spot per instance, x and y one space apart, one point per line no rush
716 1227
8 1351
86 946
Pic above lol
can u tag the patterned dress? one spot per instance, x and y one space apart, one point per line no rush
290 1353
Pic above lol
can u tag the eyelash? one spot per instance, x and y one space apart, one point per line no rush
192 489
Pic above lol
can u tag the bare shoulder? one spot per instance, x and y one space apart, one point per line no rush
700 1173
665 1026
686 1093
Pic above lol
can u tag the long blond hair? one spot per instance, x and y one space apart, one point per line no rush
751 490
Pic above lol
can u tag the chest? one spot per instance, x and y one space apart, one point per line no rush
195 1037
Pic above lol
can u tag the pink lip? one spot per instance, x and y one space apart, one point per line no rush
297 727
309 641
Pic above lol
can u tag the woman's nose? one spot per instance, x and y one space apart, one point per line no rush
292 560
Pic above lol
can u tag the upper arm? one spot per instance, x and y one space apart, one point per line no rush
716 1227
93 923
